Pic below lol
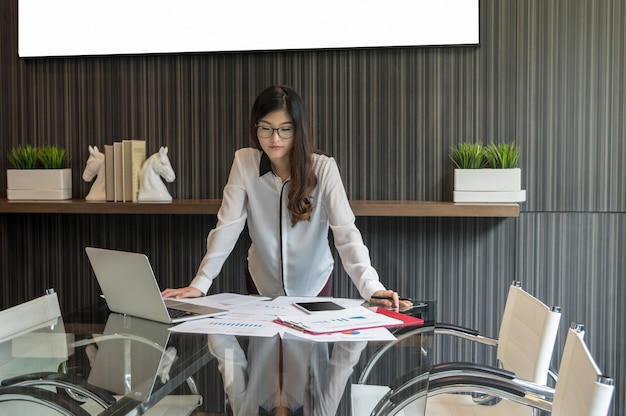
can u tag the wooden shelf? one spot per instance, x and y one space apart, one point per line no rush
431 209
211 206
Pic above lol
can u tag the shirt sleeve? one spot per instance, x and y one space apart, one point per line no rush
348 240
231 219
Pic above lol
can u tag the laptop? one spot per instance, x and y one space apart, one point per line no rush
130 287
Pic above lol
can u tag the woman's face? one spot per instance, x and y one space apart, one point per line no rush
276 147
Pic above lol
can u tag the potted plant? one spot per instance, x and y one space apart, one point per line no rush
39 173
487 173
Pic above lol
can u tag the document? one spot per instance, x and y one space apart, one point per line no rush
338 321
229 301
372 334
249 315
228 327
257 316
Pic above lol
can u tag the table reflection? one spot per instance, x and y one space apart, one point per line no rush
264 374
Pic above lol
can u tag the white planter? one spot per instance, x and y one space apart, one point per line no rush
39 184
488 179
488 185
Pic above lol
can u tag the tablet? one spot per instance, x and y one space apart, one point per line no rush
319 306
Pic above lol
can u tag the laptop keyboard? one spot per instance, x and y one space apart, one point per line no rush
177 313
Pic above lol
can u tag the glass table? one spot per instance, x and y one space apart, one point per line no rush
138 365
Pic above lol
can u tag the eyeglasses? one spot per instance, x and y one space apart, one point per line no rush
266 132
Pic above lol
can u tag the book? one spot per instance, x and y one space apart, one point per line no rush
348 319
117 172
109 172
133 156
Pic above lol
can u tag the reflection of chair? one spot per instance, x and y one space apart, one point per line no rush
581 389
33 340
524 346
26 400
34 350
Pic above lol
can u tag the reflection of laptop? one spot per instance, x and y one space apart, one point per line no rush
129 355
130 287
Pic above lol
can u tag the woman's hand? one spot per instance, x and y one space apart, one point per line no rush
389 299
183 292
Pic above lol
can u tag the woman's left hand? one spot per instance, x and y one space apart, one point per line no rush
390 299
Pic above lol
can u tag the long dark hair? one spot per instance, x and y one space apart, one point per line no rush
303 178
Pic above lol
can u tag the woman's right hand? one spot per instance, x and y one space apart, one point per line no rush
183 292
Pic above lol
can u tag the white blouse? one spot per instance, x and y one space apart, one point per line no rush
286 260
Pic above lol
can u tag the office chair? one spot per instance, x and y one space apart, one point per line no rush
20 400
526 336
524 346
581 389
29 316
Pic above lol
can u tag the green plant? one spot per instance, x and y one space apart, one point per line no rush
502 156
23 157
33 157
468 155
53 157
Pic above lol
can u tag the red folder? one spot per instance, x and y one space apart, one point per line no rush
407 320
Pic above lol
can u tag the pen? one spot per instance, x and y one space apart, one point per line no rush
390 298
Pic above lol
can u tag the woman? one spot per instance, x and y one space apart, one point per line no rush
289 195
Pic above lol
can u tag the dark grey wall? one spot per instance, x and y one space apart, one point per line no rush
550 75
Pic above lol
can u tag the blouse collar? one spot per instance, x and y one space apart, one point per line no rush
265 165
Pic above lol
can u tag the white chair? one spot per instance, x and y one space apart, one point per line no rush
524 345
33 341
581 389
28 316
34 346
526 336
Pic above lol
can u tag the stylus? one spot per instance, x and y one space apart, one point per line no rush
390 298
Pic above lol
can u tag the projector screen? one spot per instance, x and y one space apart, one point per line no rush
114 27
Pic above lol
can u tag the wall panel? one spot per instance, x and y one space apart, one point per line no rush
570 83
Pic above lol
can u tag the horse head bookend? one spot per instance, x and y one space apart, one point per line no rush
95 168
151 187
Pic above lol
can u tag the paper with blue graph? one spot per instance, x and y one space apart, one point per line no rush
229 326
338 321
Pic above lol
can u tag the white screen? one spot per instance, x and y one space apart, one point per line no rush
112 27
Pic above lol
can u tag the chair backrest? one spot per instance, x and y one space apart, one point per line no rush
32 337
29 315
527 335
581 389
